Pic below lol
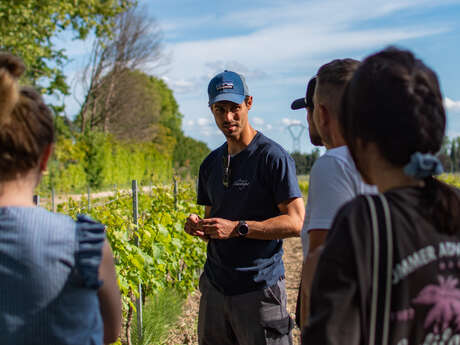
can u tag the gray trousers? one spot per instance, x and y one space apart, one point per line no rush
254 318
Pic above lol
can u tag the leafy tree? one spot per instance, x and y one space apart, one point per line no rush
444 155
28 29
95 159
134 108
142 109
63 126
304 162
455 154
170 117
188 155
449 155
135 43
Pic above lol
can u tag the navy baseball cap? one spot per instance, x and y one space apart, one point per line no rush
307 101
227 86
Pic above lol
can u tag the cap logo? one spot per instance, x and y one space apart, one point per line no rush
225 85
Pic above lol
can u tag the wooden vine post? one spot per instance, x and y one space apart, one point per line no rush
136 224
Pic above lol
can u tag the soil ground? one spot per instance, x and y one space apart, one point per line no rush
184 332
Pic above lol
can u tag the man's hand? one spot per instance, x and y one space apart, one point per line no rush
193 225
219 228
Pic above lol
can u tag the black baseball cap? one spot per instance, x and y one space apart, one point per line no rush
306 101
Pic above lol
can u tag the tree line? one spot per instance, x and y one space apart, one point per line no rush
128 125
449 156
304 161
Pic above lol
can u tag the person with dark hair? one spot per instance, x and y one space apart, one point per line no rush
334 179
57 276
390 268
252 201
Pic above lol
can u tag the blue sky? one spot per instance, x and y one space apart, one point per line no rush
279 44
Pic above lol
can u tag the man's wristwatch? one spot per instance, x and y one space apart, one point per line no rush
242 228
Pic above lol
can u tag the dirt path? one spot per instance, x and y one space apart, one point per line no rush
185 331
62 198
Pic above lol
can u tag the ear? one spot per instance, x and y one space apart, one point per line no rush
45 157
249 102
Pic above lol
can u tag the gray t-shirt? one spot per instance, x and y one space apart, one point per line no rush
334 180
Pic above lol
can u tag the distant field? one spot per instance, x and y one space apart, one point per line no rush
303 178
452 179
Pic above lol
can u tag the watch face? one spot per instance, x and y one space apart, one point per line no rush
243 229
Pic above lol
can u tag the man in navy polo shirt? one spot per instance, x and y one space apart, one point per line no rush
252 200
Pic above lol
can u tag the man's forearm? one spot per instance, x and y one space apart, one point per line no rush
275 228
288 224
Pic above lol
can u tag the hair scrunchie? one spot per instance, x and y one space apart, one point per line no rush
423 165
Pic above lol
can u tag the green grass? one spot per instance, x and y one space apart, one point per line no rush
452 179
160 313
303 185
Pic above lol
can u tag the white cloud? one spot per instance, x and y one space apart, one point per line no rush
279 45
180 85
258 121
286 121
206 132
453 134
202 127
452 105
173 27
271 41
204 122
252 49
232 65
311 12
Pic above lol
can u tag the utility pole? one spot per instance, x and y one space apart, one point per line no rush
296 130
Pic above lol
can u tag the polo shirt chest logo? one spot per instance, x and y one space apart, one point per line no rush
241 184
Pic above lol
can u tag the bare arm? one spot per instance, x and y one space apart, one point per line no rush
287 224
109 296
335 293
317 237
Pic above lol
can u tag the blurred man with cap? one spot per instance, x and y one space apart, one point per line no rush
252 201
307 103
334 179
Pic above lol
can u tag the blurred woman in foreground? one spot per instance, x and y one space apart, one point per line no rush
57 277
389 271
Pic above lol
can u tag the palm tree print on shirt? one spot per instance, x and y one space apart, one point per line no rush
445 299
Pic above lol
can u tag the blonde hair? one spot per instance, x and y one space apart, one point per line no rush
26 123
